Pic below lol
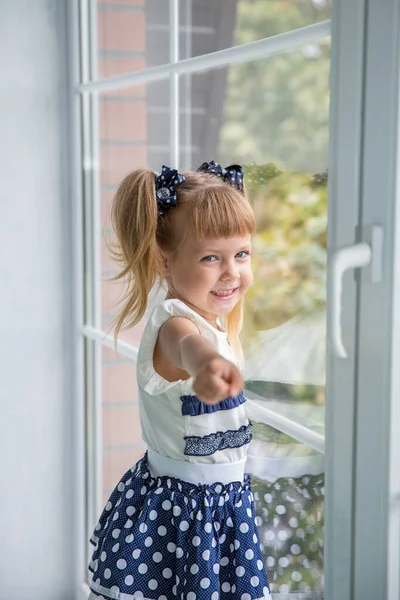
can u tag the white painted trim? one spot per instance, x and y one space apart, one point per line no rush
174 84
376 365
246 52
393 547
186 109
107 340
94 149
78 401
83 591
287 425
95 285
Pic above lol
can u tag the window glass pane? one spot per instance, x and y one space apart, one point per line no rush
134 133
271 116
272 110
207 26
131 35
122 443
274 121
290 514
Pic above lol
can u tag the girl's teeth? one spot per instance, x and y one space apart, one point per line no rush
227 293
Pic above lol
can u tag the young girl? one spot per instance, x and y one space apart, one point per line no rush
181 522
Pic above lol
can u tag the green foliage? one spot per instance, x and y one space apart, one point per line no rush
257 19
276 121
277 108
289 257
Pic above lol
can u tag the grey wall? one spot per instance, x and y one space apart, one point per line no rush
36 437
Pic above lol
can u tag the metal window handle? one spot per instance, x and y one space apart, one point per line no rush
369 252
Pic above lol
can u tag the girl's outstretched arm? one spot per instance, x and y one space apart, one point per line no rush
182 345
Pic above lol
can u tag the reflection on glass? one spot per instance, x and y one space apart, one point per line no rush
131 35
285 326
277 110
271 116
290 515
207 26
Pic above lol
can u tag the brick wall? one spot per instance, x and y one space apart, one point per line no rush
123 146
122 444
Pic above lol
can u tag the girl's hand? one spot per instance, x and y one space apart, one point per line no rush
183 348
216 380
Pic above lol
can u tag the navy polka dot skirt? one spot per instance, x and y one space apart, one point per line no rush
161 538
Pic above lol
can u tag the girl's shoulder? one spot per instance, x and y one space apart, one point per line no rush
148 379
167 309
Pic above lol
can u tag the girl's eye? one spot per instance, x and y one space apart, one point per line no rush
210 258
243 254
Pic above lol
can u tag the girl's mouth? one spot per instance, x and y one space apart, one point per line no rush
225 294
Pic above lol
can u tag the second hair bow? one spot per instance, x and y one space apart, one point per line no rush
232 174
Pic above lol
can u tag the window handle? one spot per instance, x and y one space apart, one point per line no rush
352 257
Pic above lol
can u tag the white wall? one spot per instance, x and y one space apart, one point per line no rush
36 437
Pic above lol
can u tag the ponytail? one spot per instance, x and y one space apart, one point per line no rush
134 220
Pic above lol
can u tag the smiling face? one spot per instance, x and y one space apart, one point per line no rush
210 275
205 244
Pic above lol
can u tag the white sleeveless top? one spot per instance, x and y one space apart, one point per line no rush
174 422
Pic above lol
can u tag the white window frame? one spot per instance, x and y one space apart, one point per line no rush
87 233
350 567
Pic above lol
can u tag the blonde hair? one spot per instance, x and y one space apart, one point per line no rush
213 209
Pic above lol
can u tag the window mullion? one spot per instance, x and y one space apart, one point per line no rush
174 83
264 48
97 335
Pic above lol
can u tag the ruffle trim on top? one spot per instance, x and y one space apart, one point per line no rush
148 378
193 407
221 440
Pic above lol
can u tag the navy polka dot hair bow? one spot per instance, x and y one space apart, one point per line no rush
232 174
165 188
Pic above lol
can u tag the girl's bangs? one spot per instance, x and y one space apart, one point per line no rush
221 211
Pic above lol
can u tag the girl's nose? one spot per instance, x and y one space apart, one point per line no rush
230 272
